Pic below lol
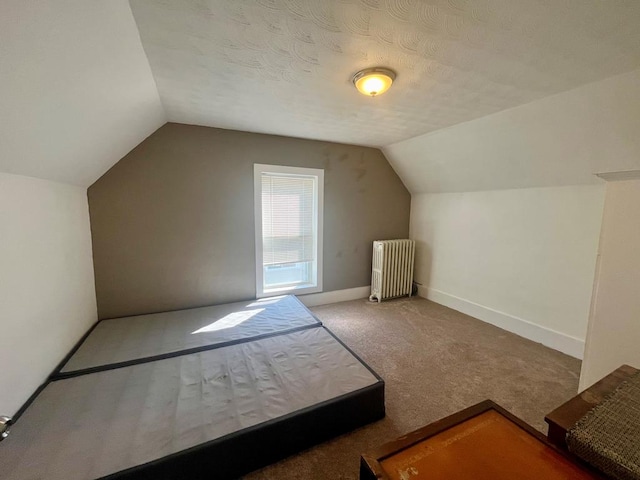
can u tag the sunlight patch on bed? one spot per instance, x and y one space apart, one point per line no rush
266 301
229 321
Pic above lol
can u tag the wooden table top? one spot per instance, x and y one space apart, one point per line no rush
484 442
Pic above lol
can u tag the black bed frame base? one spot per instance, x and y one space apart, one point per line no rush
249 449
252 448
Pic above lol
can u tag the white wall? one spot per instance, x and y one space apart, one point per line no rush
521 259
614 327
76 90
557 141
47 294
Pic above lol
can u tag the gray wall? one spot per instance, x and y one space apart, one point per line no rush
172 223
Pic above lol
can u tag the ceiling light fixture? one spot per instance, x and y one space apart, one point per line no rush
373 81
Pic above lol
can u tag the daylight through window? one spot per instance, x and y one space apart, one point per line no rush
288 229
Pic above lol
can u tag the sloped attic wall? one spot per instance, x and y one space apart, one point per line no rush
173 222
76 91
76 94
507 237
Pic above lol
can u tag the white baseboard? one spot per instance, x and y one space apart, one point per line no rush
558 341
315 299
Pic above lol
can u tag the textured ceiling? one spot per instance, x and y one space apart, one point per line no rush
283 66
559 140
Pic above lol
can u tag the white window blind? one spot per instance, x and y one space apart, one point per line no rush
288 222
288 215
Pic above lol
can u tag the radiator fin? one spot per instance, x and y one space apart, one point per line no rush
392 269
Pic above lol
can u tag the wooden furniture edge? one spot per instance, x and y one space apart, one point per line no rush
371 468
566 415
372 460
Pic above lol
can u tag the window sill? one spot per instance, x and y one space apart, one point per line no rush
297 290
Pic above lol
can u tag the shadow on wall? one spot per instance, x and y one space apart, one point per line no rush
422 267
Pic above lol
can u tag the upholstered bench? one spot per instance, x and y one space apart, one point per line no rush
605 429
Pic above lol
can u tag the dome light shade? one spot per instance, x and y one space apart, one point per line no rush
373 81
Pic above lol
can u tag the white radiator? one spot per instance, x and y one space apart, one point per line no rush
392 268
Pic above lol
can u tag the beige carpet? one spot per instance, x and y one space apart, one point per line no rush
435 361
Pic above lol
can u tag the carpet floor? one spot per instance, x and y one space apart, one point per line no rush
434 361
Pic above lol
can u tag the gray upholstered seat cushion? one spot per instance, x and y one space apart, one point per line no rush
608 437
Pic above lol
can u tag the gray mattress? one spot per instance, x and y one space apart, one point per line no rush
90 426
129 339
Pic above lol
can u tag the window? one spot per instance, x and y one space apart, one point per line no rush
288 210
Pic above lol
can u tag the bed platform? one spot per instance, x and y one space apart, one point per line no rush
128 340
239 404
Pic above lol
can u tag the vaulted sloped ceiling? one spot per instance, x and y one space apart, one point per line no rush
283 66
82 82
560 140
76 90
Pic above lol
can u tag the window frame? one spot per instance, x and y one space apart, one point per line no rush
258 170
